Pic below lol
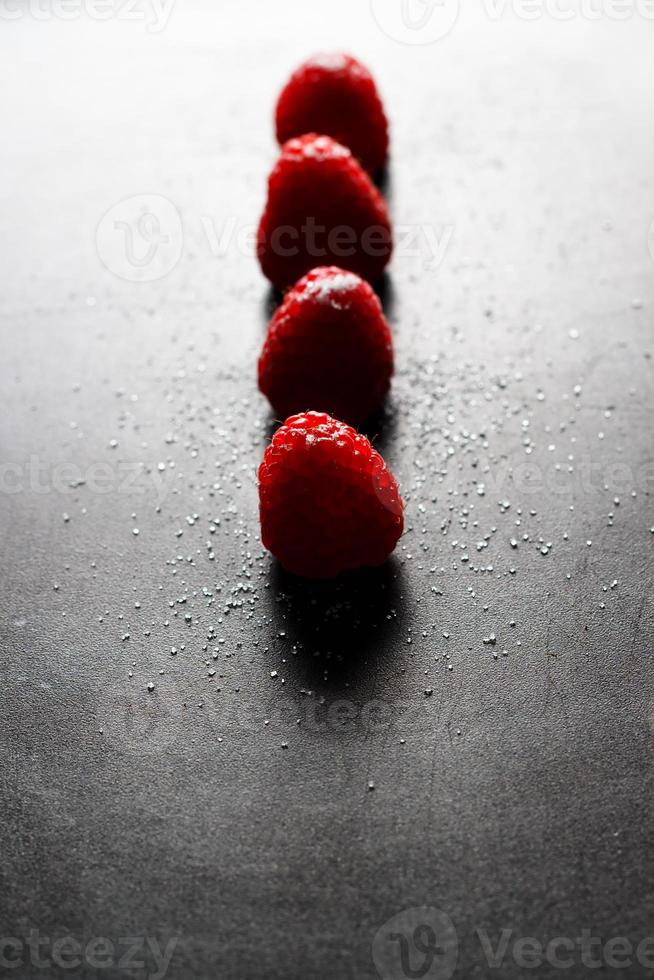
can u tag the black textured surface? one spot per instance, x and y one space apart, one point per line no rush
517 795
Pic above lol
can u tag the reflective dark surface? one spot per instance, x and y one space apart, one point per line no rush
469 729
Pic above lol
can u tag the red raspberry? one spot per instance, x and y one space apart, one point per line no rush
327 501
335 94
329 346
322 208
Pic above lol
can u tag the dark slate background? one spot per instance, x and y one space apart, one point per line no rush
467 732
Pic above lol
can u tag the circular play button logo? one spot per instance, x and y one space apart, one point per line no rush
140 238
415 21
418 944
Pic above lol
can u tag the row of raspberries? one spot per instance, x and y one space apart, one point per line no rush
328 502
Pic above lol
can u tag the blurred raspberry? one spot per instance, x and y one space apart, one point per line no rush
323 209
328 503
336 95
328 347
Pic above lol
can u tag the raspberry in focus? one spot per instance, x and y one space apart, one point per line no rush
328 347
322 209
336 95
328 503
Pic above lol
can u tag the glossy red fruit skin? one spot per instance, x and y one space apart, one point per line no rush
322 209
336 95
328 503
329 347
